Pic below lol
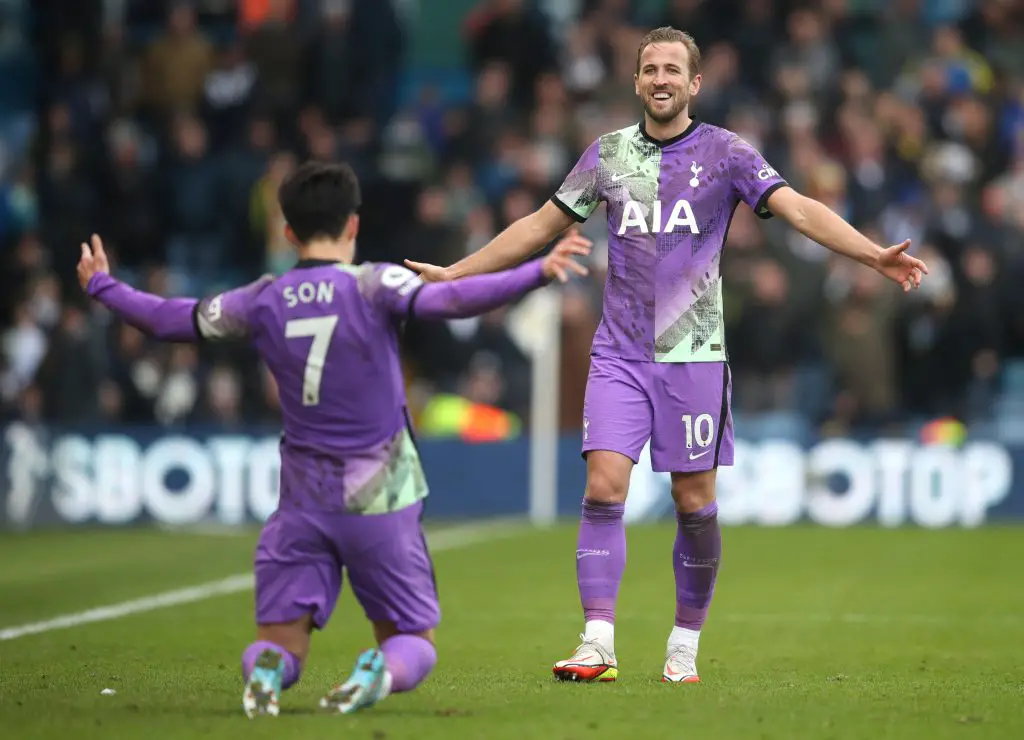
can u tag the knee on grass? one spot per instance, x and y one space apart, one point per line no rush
292 664
410 659
289 639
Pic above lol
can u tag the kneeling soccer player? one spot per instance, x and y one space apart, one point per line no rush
351 487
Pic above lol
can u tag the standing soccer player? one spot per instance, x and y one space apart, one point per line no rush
352 488
659 367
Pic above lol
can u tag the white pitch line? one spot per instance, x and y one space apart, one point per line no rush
229 585
880 618
796 618
446 539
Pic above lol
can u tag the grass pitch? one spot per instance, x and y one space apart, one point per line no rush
814 633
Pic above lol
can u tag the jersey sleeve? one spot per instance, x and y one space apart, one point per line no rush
752 177
580 193
226 316
389 288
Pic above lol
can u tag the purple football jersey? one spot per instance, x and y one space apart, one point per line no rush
669 206
328 333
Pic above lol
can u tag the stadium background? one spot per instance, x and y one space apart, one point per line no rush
166 127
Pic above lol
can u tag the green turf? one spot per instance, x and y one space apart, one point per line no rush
815 633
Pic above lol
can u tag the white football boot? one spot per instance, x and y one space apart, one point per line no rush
590 662
680 665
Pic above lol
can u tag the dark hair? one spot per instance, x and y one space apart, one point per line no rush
669 35
318 198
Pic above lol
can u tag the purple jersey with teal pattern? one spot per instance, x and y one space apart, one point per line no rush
329 346
328 334
669 206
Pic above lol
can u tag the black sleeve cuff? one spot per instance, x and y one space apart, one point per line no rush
761 209
195 322
409 312
567 210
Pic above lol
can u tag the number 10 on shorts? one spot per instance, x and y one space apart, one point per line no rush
700 430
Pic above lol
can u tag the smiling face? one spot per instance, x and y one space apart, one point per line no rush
666 79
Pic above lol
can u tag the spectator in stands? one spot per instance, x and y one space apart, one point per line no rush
176 63
193 205
129 206
266 220
228 92
859 330
74 368
274 45
506 31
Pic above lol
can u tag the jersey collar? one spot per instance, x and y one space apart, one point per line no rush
312 262
668 142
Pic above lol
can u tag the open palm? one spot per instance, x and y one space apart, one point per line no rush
92 260
900 267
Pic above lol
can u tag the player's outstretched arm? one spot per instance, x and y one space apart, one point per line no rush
168 319
478 294
523 238
818 222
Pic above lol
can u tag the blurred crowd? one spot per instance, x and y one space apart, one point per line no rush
166 127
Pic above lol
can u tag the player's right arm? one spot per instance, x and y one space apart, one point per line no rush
403 294
573 203
225 316
520 240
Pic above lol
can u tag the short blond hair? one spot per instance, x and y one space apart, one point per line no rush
669 35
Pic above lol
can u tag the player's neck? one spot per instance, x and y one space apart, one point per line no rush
340 250
669 130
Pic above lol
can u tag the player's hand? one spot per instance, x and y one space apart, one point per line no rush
430 273
92 261
560 263
900 267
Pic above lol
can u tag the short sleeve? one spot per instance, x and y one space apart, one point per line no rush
752 177
389 288
579 195
226 316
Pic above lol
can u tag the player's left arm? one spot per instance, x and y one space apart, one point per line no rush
758 184
403 294
817 221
